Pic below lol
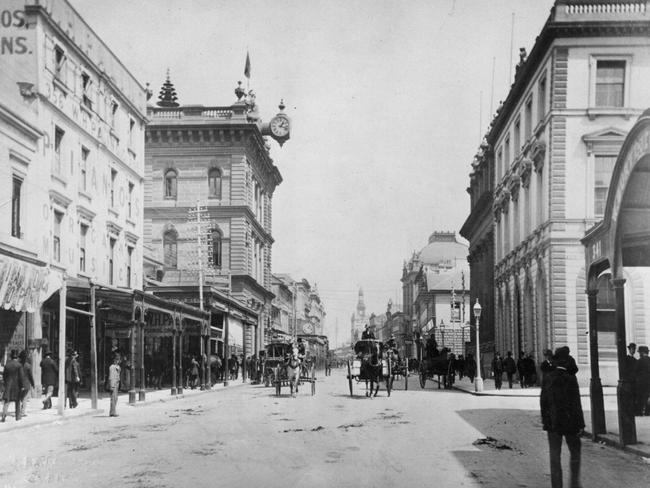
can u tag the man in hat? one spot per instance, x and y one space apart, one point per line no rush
49 378
628 372
13 380
367 333
114 383
562 415
642 382
72 378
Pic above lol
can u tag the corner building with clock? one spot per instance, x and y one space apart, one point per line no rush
216 157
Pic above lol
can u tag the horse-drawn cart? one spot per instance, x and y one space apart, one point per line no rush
284 368
372 365
438 367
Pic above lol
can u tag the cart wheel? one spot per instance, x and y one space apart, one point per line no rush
423 379
313 381
350 377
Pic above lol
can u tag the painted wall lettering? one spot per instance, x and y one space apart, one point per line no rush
12 44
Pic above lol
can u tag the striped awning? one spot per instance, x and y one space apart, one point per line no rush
25 286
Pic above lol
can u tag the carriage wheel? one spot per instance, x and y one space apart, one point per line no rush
423 379
276 381
350 377
313 381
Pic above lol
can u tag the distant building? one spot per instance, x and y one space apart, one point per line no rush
359 320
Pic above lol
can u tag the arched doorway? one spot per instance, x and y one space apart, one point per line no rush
620 241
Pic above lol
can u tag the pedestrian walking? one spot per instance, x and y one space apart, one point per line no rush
114 384
72 378
28 377
628 375
510 367
497 371
547 365
642 382
470 368
530 372
562 417
49 378
194 372
521 369
13 380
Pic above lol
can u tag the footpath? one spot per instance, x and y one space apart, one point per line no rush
641 448
37 416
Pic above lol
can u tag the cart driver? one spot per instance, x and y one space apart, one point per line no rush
367 333
301 349
431 346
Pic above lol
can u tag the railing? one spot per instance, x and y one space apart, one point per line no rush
607 8
196 111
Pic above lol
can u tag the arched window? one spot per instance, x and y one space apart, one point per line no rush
170 183
214 183
216 248
170 248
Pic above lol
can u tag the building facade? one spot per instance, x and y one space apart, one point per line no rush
72 123
554 142
216 158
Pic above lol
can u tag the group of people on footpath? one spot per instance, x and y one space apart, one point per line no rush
524 368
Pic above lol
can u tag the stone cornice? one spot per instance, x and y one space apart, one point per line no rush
20 124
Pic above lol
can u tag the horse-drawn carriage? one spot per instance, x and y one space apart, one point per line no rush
438 366
372 363
284 367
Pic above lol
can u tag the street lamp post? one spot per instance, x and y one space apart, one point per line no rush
478 381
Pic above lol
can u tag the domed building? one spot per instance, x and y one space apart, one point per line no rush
434 292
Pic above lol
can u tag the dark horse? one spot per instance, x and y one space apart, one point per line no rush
371 370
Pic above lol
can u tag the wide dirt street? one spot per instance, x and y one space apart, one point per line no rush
245 436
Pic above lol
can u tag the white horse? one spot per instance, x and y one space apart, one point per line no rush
292 366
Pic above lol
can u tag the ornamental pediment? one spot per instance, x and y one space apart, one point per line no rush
607 140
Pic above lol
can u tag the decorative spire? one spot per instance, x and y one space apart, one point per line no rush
361 306
167 96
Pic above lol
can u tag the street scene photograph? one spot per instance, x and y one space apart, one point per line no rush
325 243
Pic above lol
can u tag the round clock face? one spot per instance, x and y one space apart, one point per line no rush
279 126
308 328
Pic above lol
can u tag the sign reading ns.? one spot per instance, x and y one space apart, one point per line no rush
10 20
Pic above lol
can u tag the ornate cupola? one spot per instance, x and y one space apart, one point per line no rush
167 96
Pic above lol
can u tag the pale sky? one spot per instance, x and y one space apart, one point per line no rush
384 98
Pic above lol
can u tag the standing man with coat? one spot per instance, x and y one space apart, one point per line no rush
28 378
562 416
49 378
72 378
114 383
13 380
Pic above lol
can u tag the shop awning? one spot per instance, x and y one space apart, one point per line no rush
24 286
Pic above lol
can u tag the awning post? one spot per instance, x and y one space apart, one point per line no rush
63 297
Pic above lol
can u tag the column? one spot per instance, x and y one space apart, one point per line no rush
624 390
134 336
93 349
63 294
179 369
202 362
174 389
143 374
595 386
244 352
226 348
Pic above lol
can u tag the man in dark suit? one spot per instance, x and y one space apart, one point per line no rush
642 382
49 378
367 333
13 380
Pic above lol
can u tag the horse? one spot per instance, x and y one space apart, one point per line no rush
292 366
440 364
371 370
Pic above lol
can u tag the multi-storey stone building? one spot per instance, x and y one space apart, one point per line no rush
553 144
72 150
219 158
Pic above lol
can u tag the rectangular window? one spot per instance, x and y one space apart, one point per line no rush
541 99
113 119
85 85
603 168
528 114
83 230
131 188
131 132
83 171
15 206
506 155
499 164
610 83
59 59
56 236
58 143
111 261
129 263
113 178
517 147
